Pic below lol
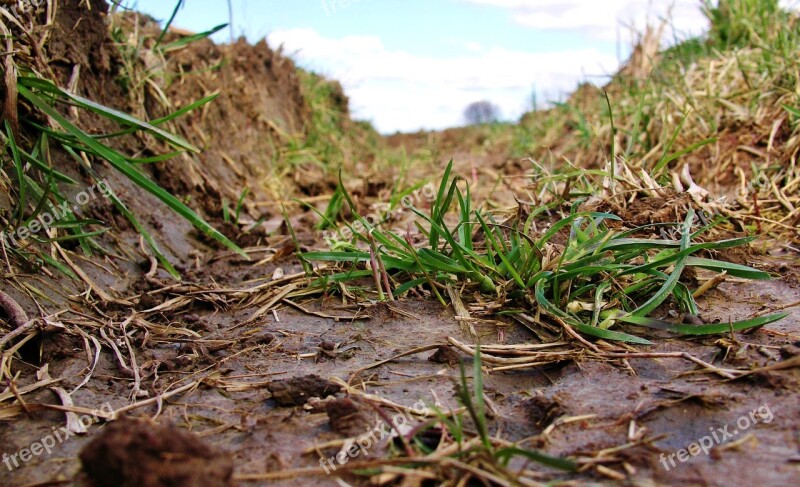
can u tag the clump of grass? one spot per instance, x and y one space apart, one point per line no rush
232 215
306 162
580 272
743 23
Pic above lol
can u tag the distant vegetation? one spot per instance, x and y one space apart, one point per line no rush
481 112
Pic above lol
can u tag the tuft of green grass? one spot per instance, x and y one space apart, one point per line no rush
472 399
742 23
580 271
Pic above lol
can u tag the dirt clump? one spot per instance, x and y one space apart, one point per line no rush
139 453
445 355
647 210
298 390
347 417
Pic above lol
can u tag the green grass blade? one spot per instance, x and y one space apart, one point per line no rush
499 251
437 205
408 286
685 299
337 256
158 121
57 265
669 284
122 165
732 269
794 111
239 205
391 263
73 237
104 111
167 25
568 221
473 401
186 40
162 259
685 253
682 153
154 159
20 169
609 334
440 262
700 330
343 277
47 170
639 244
663 160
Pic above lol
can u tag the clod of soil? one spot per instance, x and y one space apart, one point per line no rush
138 453
298 390
148 301
347 417
445 355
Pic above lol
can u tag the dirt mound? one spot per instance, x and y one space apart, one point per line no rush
260 101
142 454
258 95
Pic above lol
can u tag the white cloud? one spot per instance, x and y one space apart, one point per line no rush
473 46
401 91
465 44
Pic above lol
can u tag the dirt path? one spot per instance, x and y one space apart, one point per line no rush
629 417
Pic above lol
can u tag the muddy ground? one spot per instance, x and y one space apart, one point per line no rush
270 382
635 411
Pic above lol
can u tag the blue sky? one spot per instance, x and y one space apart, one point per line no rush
415 64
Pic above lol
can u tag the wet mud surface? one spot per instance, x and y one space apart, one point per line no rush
270 404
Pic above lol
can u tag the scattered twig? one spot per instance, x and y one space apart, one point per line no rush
160 397
413 351
710 284
25 328
325 315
